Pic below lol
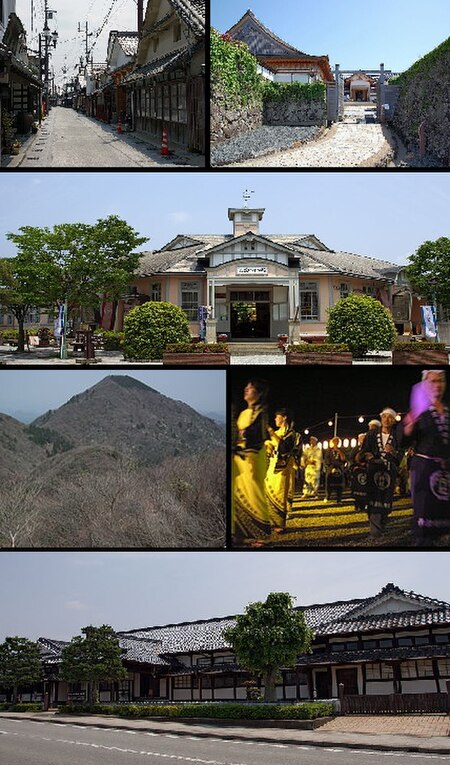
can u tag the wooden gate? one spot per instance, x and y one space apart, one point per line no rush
394 704
196 114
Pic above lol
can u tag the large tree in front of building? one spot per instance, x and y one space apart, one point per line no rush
20 664
17 295
429 271
269 636
76 263
94 658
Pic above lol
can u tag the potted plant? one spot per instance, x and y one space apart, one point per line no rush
420 352
198 354
15 147
318 353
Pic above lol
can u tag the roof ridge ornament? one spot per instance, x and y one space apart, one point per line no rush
246 197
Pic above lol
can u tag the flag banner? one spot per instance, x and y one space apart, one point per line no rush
429 321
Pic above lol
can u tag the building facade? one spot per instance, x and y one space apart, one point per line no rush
257 286
394 642
166 87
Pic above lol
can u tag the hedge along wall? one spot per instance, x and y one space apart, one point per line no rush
424 99
236 88
295 104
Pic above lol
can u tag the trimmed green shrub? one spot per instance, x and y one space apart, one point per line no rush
197 348
112 341
362 323
299 711
418 346
7 706
150 328
318 348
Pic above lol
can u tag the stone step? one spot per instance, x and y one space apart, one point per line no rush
254 349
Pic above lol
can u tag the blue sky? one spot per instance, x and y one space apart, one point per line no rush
33 392
353 34
383 215
56 594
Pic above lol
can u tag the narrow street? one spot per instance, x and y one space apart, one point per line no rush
41 743
69 139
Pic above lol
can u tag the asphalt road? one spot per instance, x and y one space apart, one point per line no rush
41 743
69 139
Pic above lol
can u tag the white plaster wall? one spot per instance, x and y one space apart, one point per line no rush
423 685
181 694
224 694
376 687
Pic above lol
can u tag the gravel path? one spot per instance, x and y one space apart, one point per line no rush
351 143
260 142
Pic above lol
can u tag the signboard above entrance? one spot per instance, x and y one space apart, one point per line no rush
252 271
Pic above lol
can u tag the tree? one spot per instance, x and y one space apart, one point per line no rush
76 263
269 636
20 664
94 658
362 323
429 271
16 295
149 328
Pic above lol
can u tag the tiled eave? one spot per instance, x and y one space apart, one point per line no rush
375 655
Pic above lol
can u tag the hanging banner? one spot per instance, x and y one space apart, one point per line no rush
429 326
59 323
202 316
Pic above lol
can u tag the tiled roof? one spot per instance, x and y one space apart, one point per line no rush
375 654
160 645
160 65
261 40
311 260
128 41
192 12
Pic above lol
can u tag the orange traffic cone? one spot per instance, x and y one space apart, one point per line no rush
119 127
164 149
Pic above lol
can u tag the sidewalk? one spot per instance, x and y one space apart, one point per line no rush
48 357
384 733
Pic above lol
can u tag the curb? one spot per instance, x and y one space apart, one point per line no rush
101 723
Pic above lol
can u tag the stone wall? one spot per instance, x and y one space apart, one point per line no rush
228 122
295 113
422 113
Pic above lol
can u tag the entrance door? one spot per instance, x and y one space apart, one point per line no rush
250 320
349 677
323 684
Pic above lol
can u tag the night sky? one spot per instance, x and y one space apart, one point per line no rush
314 394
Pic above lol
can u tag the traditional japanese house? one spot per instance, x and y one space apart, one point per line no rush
19 77
121 56
166 87
393 642
280 61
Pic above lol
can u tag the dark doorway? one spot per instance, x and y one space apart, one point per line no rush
349 677
250 320
149 686
323 688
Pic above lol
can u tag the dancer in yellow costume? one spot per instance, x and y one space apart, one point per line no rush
250 514
279 482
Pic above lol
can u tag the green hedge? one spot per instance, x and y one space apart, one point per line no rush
8 706
301 711
112 341
298 91
318 348
418 346
197 348
424 66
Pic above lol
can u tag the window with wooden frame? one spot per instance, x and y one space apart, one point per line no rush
379 671
411 670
